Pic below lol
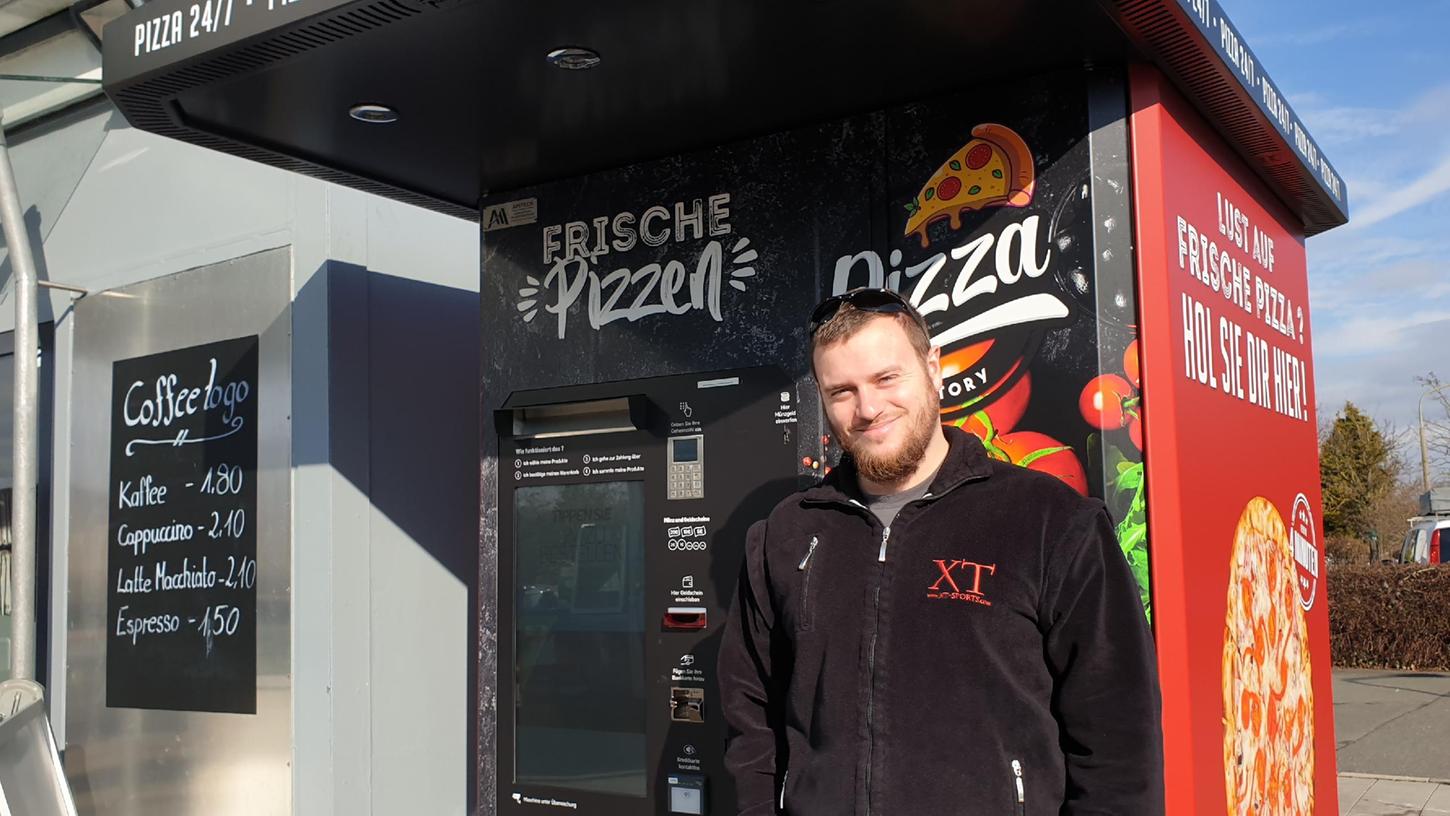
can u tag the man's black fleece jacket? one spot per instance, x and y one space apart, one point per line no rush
986 654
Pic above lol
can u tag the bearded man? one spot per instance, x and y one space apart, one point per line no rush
929 631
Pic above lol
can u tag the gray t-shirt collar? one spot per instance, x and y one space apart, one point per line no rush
886 507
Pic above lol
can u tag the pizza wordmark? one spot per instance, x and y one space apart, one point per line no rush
991 284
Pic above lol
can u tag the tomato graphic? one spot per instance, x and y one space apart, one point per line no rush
1003 414
1040 452
1135 431
951 409
1130 364
948 189
955 362
1103 401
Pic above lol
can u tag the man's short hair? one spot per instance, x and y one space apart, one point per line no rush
848 320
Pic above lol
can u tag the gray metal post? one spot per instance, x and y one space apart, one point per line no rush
22 503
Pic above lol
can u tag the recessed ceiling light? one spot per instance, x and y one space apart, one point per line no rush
573 59
373 114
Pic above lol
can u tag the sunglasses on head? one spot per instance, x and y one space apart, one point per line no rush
883 301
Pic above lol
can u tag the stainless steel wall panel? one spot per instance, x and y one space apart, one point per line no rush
131 761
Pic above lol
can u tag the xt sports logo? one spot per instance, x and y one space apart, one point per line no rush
960 581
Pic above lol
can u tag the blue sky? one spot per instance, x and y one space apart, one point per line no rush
1372 82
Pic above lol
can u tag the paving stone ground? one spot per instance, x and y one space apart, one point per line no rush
1371 796
1392 730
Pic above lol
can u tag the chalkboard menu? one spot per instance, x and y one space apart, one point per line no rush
182 567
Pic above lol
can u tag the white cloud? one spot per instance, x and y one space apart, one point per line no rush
1383 382
1392 146
1423 189
1332 123
1382 330
1430 108
1306 99
1319 34
1341 260
1345 124
1370 182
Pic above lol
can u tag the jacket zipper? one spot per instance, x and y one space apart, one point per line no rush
871 664
870 660
871 702
871 653
1021 794
810 551
784 779
806 621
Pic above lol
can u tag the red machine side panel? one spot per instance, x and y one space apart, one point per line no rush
1233 479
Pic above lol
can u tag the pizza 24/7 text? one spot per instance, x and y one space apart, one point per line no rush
200 19
573 252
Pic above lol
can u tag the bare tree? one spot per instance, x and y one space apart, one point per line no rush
1389 516
1437 427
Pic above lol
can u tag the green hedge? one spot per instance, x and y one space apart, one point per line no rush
1389 617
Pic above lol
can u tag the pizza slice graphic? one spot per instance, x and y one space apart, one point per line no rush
1268 698
993 169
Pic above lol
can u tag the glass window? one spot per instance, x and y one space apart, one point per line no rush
68 55
579 703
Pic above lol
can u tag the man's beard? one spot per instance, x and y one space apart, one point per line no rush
893 467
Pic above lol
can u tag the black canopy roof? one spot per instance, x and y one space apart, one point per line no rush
480 109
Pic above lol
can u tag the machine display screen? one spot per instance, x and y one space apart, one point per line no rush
687 450
579 684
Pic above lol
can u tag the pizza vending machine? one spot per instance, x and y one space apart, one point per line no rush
1100 209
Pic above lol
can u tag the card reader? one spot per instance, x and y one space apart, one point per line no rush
686 470
687 794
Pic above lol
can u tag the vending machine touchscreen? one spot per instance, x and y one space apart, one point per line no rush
621 541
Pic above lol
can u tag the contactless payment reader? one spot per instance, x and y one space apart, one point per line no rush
620 542
687 793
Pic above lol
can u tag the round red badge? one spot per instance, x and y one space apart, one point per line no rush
1304 538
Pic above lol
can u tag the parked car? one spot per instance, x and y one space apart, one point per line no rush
1422 542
